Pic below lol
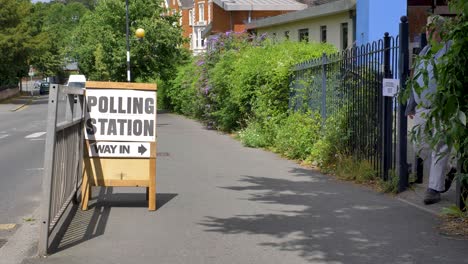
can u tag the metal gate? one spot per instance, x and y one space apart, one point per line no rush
63 158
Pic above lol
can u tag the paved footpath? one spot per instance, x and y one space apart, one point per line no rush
221 203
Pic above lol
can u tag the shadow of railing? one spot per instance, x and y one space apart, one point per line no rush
81 226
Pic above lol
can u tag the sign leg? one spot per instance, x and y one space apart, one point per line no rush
85 193
152 186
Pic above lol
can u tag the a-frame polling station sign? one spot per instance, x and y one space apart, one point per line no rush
120 138
117 116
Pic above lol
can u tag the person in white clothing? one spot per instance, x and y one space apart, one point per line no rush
441 172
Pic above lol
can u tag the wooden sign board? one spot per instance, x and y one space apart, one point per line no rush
120 138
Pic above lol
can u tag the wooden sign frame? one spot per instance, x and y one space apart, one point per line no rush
120 172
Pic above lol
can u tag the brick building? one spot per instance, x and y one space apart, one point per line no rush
202 18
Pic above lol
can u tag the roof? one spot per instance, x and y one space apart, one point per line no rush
311 12
260 5
186 4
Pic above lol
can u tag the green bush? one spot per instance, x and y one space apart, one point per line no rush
360 171
297 134
253 136
332 143
184 96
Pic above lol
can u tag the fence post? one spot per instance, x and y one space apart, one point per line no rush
324 87
387 115
48 171
403 120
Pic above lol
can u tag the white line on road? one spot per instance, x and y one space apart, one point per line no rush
35 169
35 135
3 136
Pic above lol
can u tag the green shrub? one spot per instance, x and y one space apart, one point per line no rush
391 185
297 134
183 94
253 136
360 171
332 143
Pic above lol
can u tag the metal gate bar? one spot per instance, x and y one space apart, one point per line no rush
62 160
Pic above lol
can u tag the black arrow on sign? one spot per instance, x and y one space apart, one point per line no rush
141 149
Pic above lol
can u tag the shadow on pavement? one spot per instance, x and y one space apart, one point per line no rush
81 226
325 222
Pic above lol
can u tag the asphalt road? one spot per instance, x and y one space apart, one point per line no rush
22 139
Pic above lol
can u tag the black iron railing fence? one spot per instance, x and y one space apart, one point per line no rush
350 82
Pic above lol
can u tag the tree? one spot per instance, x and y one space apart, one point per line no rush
14 40
51 25
154 57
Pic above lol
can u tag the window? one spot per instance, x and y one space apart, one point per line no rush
209 12
286 34
190 17
323 34
201 12
180 19
303 34
344 36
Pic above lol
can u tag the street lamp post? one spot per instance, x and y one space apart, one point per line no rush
128 43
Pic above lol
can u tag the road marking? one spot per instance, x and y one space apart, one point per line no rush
35 135
38 139
7 226
34 169
3 136
19 108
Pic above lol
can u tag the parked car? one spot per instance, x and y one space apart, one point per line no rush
44 88
41 87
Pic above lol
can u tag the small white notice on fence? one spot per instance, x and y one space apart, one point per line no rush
390 87
120 149
120 115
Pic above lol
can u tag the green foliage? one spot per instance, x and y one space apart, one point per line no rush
51 25
390 185
455 211
350 169
99 43
297 134
15 41
332 143
183 94
254 136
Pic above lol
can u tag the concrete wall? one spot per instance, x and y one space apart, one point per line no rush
375 17
5 94
332 22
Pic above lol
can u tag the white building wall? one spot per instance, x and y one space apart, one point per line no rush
333 24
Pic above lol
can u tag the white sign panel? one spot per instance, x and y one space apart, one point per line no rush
120 149
120 115
390 87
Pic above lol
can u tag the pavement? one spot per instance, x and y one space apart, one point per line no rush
220 202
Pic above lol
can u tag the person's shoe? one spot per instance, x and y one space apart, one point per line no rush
431 197
449 179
